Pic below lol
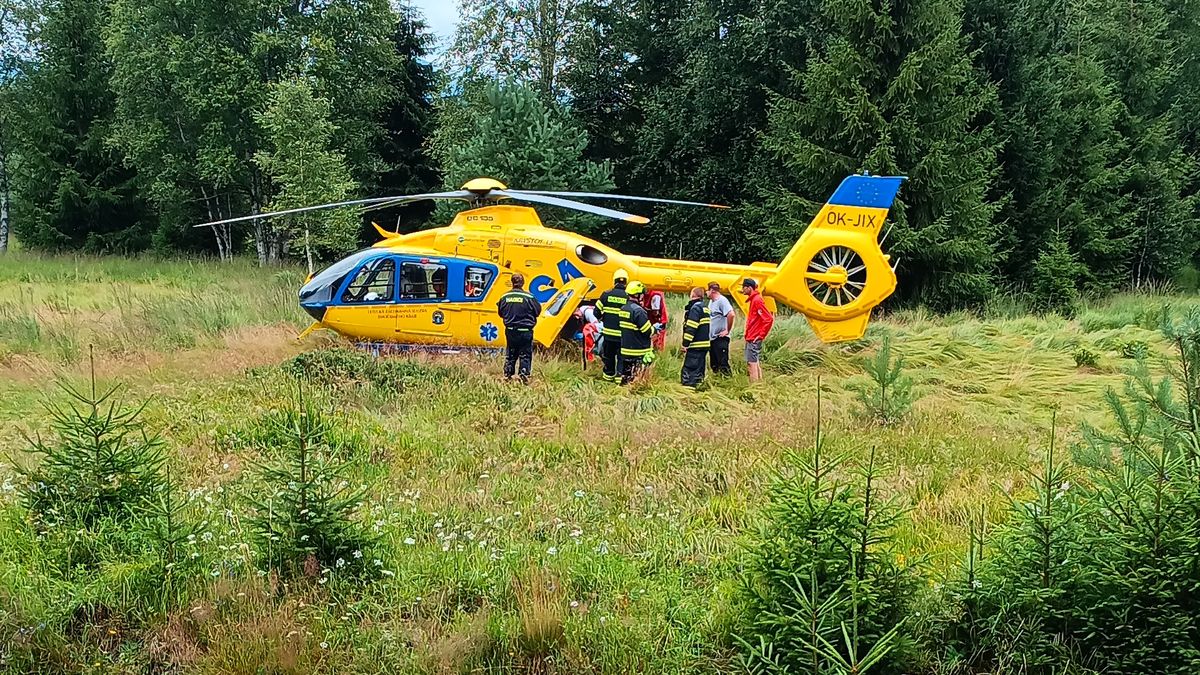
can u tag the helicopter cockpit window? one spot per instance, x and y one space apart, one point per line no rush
477 281
556 305
372 283
422 281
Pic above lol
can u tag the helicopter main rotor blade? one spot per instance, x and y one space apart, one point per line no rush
601 195
456 194
567 203
465 195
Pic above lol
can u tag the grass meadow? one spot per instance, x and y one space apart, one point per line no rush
565 527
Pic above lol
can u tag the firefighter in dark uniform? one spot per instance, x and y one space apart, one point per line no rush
695 339
611 308
519 311
636 333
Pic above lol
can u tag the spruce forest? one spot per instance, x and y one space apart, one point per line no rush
1051 146
1001 477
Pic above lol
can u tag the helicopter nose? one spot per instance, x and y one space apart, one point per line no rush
317 312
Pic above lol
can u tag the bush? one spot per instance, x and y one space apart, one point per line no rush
1134 349
306 522
330 366
1085 357
824 589
889 397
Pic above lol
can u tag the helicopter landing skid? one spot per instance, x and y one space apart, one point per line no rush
388 348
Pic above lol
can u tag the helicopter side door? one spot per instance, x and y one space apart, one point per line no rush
423 300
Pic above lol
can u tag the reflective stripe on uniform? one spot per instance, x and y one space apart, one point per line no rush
629 351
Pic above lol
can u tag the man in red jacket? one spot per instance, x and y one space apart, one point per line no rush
758 323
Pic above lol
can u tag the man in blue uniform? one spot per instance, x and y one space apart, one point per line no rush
611 308
636 332
519 311
695 339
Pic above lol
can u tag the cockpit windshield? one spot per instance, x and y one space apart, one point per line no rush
322 287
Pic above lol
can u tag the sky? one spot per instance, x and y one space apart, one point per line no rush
441 15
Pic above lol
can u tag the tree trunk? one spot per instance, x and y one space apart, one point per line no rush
215 214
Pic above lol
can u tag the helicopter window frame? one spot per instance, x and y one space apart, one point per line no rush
430 284
372 283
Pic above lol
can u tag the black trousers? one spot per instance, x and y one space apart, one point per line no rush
719 350
693 367
520 347
631 367
611 355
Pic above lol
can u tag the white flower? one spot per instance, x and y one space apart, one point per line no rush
409 541
437 525
975 583
324 645
339 563
358 555
576 532
387 573
553 550
574 603
579 493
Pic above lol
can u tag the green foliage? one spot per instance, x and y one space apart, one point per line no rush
892 91
306 170
408 123
333 366
1134 349
1102 575
1085 357
71 188
191 81
306 521
1055 278
101 464
513 136
825 588
525 41
889 396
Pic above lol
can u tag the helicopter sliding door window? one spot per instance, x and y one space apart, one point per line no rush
422 281
374 282
477 281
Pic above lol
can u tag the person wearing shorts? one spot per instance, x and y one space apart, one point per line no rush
758 324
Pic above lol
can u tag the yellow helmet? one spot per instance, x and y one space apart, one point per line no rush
635 288
620 275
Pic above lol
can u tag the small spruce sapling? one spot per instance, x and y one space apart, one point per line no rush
306 520
889 396
825 592
101 463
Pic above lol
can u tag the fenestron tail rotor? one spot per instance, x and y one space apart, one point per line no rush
480 192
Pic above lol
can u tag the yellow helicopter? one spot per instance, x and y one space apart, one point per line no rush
440 286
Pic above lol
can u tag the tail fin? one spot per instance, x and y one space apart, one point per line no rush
837 273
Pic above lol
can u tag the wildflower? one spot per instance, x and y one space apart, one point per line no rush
553 550
324 645
409 541
340 563
387 573
358 555
574 603
579 493
576 532
975 583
